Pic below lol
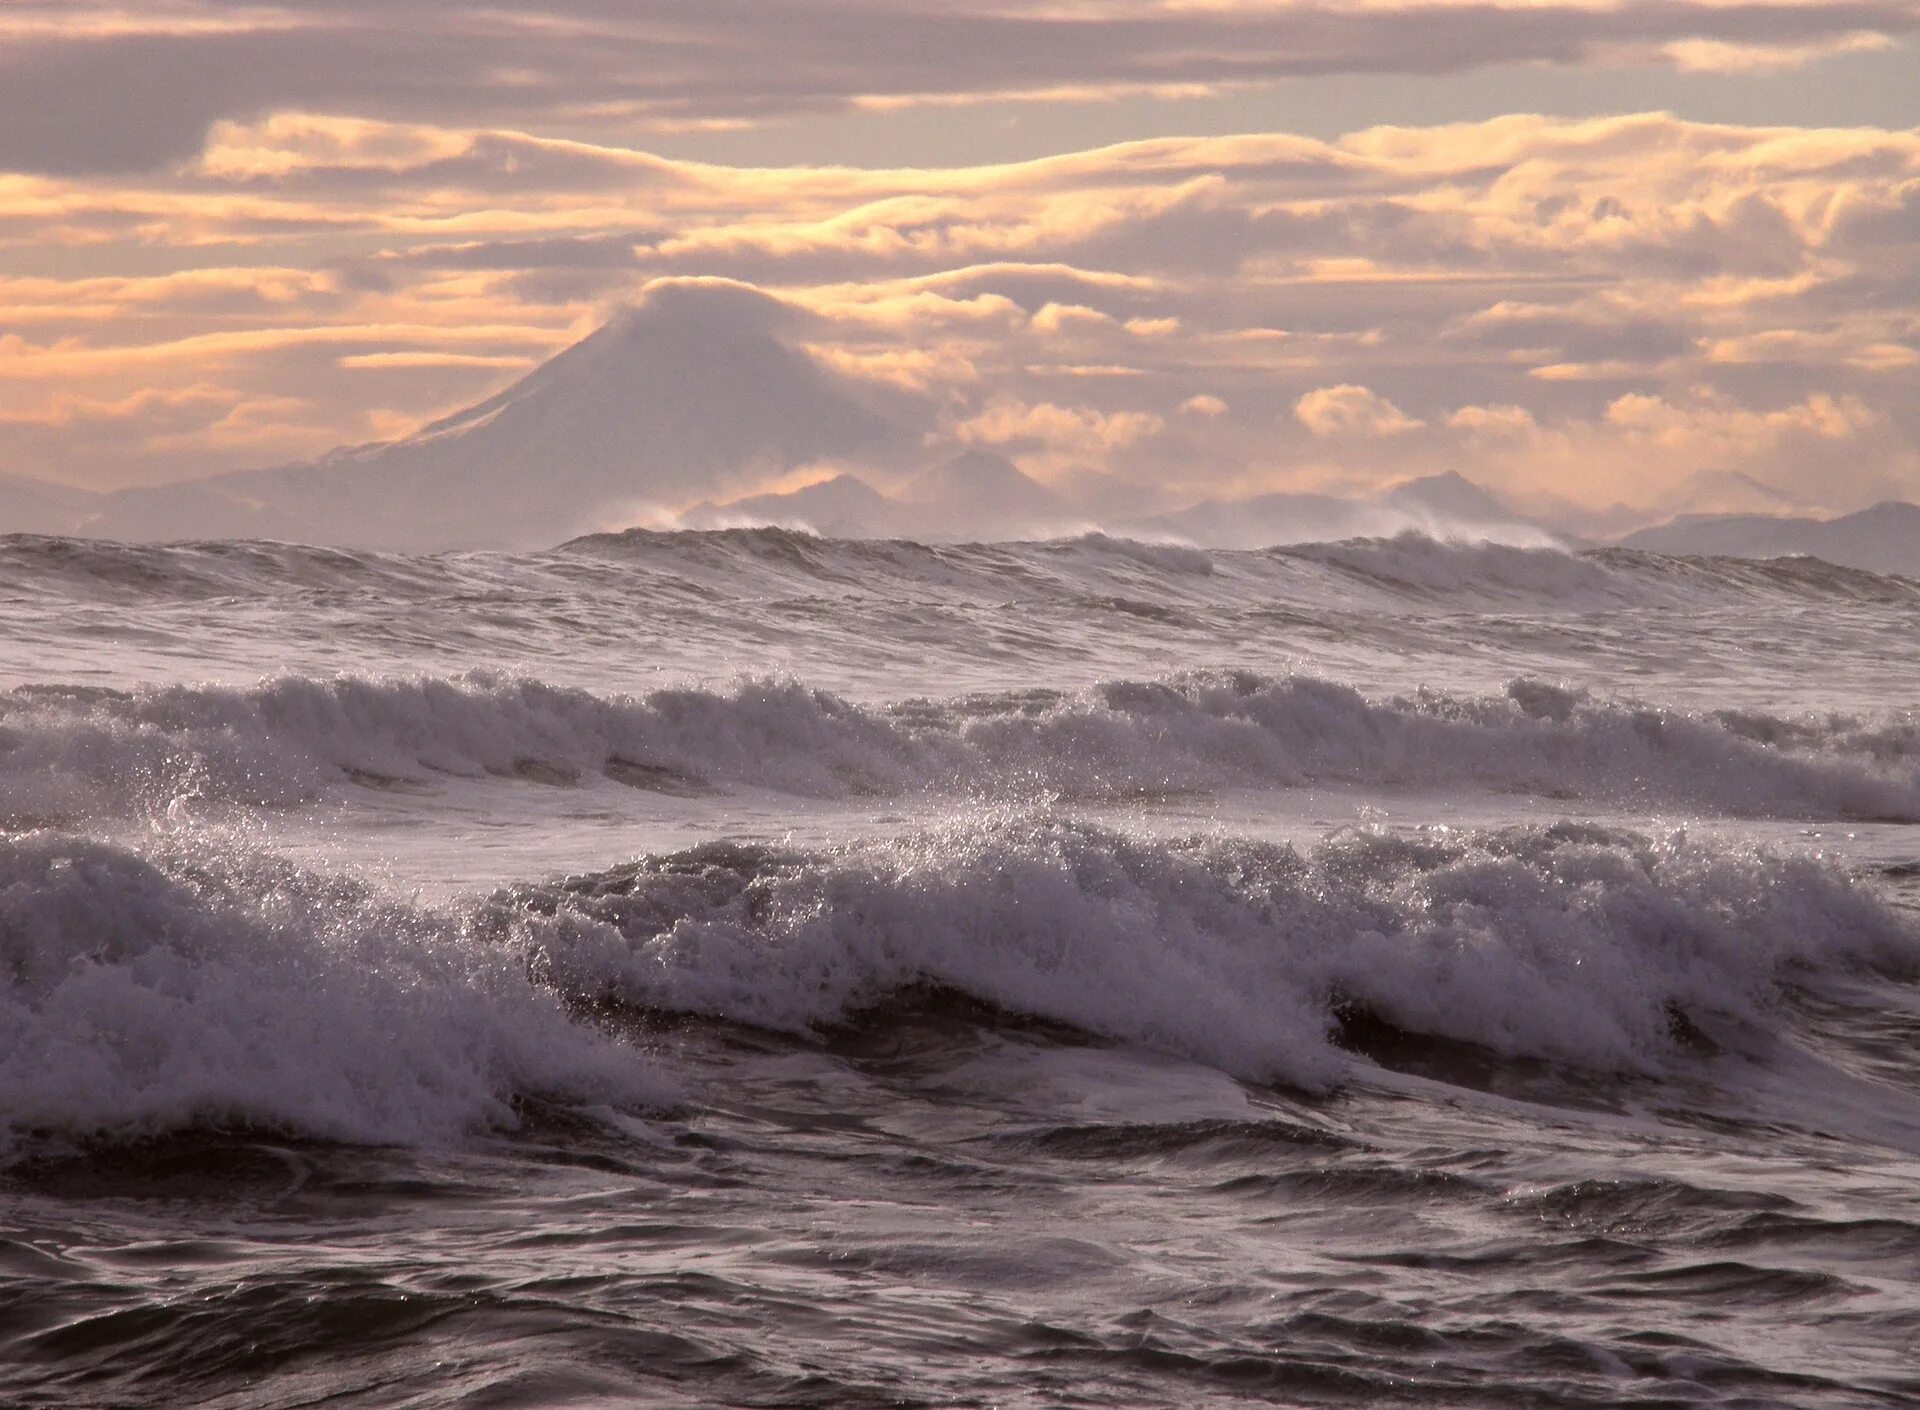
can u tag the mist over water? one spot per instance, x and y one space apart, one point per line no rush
741 967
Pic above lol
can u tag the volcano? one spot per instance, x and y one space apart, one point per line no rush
697 390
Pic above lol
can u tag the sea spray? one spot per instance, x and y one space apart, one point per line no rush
144 994
1594 947
68 754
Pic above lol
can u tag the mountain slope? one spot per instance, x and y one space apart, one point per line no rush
1450 498
1882 539
841 507
695 389
973 495
1442 505
29 506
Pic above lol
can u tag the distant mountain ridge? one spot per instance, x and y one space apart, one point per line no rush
1884 538
29 506
682 409
1441 505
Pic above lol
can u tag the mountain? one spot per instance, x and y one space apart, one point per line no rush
841 507
1261 520
695 389
1882 539
984 495
29 506
1730 492
1444 505
974 495
1450 499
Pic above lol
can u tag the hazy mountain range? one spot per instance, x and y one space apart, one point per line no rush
1882 539
678 411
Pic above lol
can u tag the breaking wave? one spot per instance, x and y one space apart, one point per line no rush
1598 948
145 993
140 995
74 752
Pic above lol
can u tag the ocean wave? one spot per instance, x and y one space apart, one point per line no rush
217 568
1407 566
147 993
762 562
72 753
1413 565
140 995
1601 949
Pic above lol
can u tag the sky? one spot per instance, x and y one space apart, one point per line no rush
1661 254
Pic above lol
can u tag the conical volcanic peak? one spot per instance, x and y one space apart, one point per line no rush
687 345
694 392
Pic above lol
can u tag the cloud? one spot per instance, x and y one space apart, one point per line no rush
198 423
1727 431
1192 314
1045 437
1646 449
386 361
1493 421
1734 56
178 69
1348 410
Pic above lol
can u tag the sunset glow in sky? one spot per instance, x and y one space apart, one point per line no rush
1590 252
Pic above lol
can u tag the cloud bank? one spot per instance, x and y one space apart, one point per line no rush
587 66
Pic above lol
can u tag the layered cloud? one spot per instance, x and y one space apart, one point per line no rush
174 68
1588 311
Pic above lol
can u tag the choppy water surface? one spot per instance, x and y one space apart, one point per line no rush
741 968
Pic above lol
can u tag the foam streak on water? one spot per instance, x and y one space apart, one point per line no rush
741 968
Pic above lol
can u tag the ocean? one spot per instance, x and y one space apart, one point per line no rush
743 968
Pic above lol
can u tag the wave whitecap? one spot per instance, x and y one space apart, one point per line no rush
67 753
141 995
1592 947
146 993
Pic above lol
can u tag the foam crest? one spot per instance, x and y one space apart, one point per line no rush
140 995
1596 948
143 994
68 753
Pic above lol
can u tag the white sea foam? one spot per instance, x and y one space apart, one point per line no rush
142 994
139 995
68 753
1567 943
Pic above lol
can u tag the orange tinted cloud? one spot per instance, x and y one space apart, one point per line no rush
634 66
1390 298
